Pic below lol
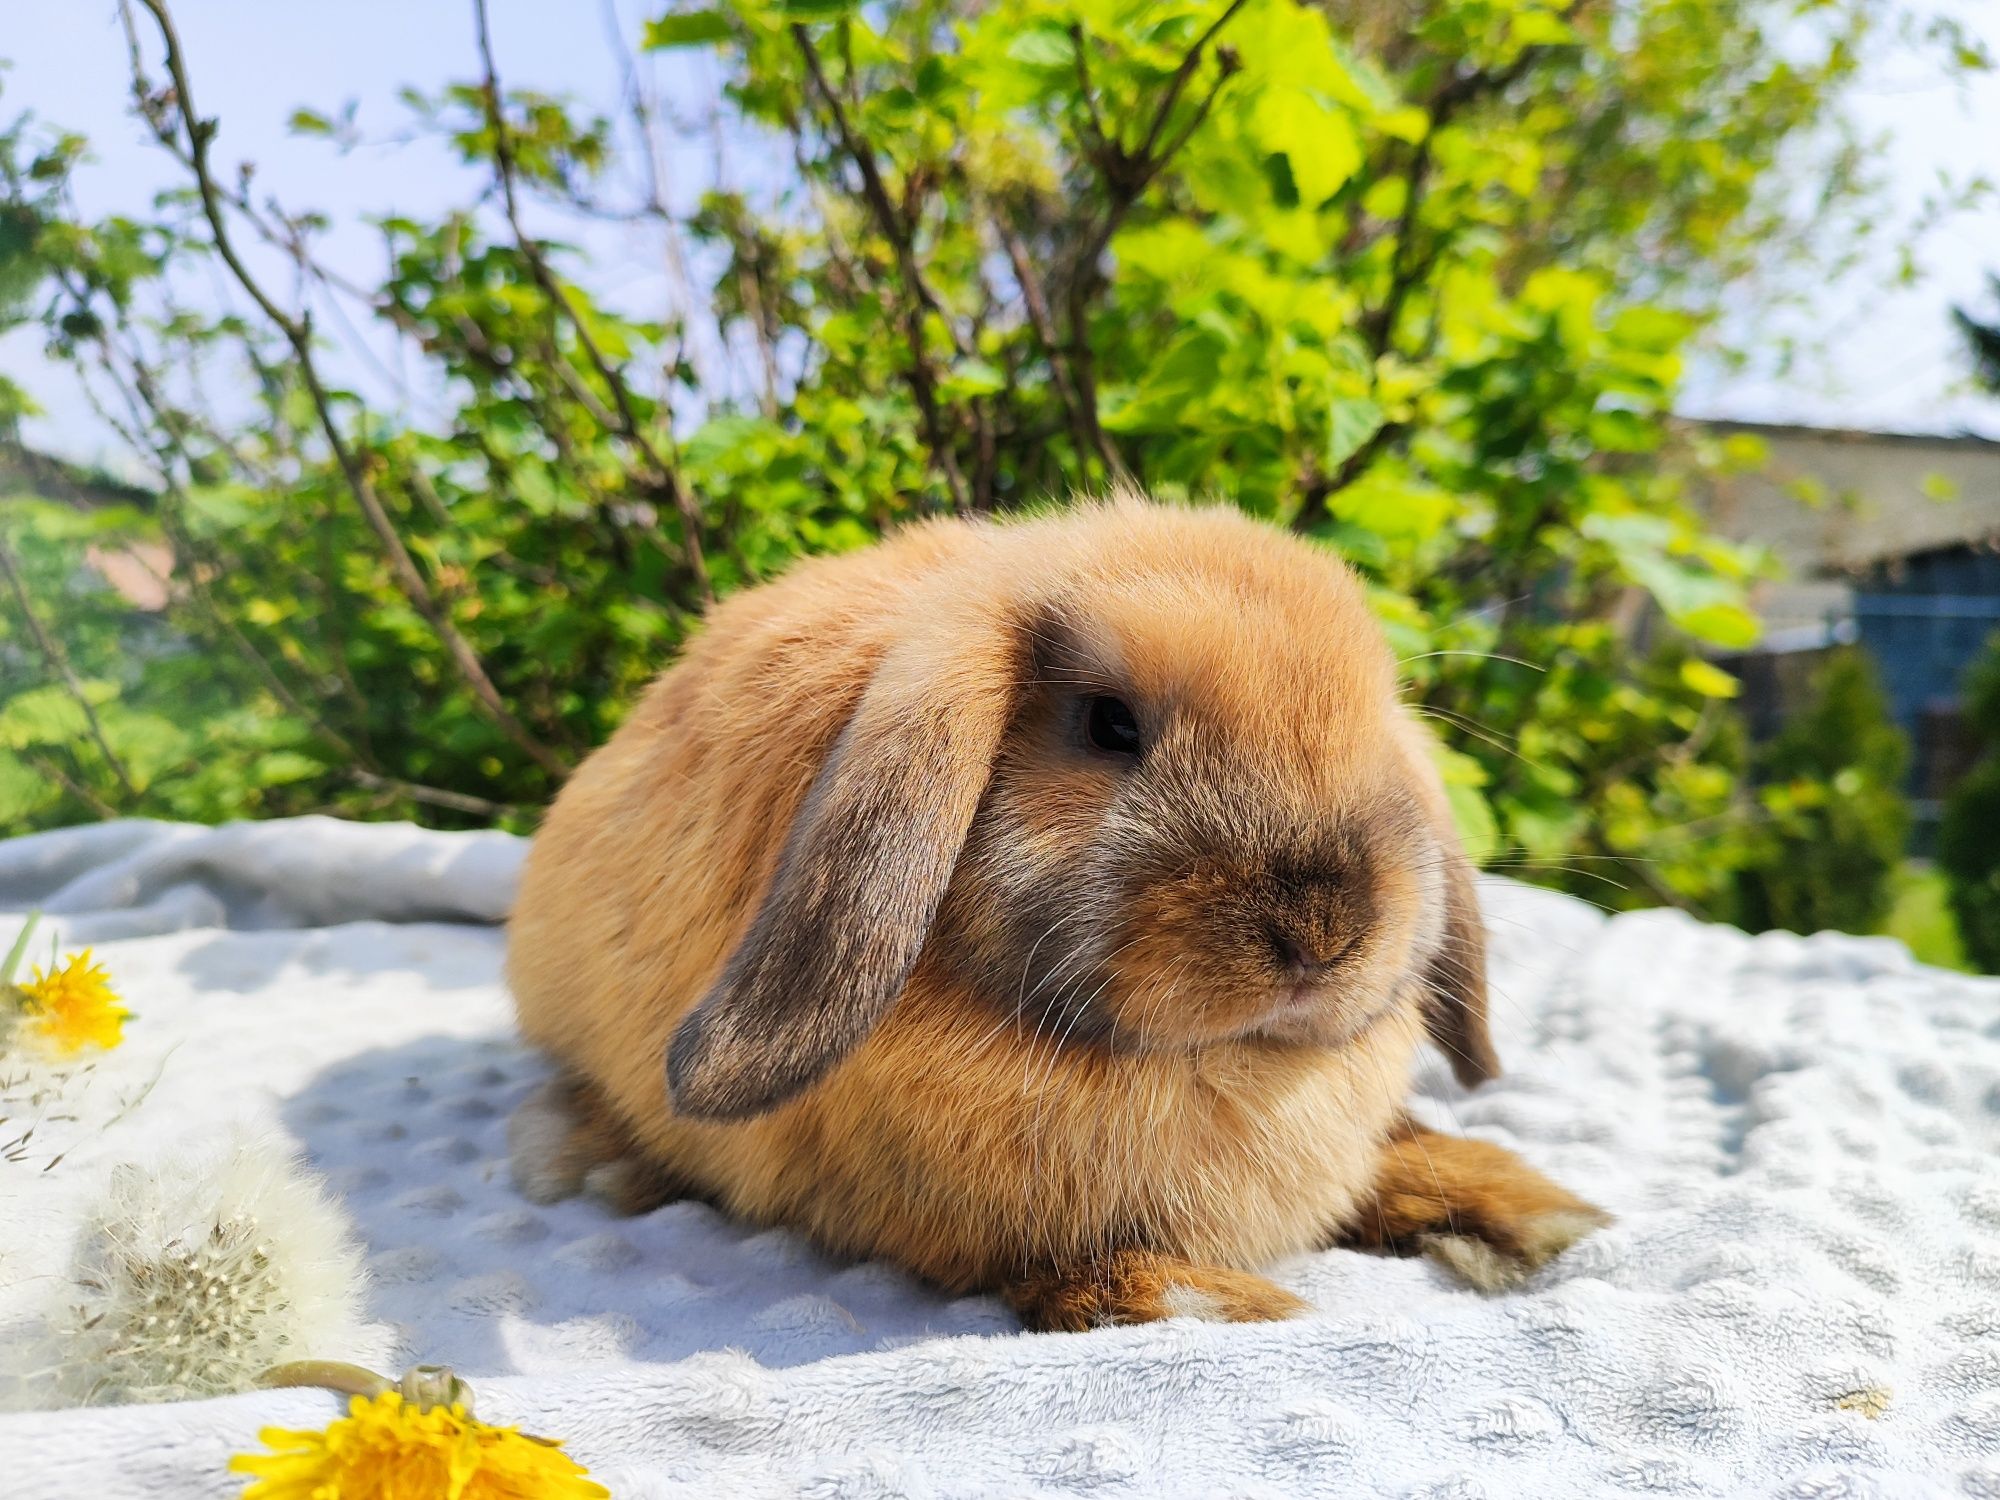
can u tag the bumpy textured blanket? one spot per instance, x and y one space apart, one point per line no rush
1801 1295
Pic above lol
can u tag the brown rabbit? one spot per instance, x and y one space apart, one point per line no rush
1053 906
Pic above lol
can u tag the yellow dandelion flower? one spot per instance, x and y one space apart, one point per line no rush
389 1449
74 1006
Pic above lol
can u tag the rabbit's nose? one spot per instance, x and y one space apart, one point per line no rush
1307 955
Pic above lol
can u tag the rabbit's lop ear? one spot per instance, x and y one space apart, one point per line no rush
1455 982
860 880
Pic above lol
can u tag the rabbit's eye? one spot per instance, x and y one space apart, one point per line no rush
1110 725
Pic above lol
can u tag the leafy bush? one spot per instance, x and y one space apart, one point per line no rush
1920 917
1413 280
1969 835
1831 785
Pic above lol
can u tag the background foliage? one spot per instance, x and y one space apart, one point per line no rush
1968 851
1831 783
1415 278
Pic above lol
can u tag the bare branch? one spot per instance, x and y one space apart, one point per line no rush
298 333
1408 269
1088 435
75 788
1179 81
58 661
433 796
628 424
922 374
1126 175
1096 140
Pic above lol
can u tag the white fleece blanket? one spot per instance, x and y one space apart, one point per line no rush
1801 1296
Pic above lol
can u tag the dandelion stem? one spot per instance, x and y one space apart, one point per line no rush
423 1386
328 1375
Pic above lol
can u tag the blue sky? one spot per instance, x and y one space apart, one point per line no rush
1890 359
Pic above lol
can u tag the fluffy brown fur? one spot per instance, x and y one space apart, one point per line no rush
935 977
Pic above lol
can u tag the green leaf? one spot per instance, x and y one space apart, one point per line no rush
1539 28
974 377
42 716
149 744
282 766
1708 679
1043 47
686 28
1317 141
11 964
1730 626
1698 600
1353 421
720 437
1397 509
1617 430
1357 80
1408 123
1185 374
1463 777
1745 453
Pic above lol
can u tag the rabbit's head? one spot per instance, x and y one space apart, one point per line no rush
1131 777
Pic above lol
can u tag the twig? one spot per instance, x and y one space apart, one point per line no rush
142 399
1321 488
1180 81
1127 175
298 333
922 375
763 329
288 240
433 796
58 660
76 789
627 425
1088 435
1097 140
1407 270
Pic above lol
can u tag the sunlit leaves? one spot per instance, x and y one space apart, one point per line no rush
1317 140
688 28
1352 422
1463 776
1708 679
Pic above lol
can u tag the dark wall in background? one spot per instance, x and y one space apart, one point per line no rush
1924 619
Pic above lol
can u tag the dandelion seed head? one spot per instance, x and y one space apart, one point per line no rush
193 1277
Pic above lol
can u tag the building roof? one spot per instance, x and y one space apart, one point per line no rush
1879 496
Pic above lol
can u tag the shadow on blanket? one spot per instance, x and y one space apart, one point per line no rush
436 955
413 1140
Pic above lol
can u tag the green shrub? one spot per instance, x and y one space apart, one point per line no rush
1969 835
1920 916
1830 785
1415 281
